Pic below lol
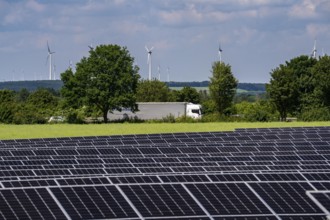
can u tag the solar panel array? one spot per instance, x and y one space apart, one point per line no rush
277 173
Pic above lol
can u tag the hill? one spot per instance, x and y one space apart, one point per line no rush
57 84
31 85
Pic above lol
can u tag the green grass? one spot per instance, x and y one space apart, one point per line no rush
67 130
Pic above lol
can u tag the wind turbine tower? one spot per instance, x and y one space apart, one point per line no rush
220 53
54 72
314 50
149 51
49 57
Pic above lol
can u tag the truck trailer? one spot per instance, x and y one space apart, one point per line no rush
158 111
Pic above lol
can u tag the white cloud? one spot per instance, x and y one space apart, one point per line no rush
316 30
255 2
162 45
245 35
304 9
130 27
178 17
14 15
35 6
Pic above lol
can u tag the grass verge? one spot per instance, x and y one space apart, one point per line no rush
68 130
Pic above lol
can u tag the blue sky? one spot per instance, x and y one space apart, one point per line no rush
256 35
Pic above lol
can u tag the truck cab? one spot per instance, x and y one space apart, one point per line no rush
193 111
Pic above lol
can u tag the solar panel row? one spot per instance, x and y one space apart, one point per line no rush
153 200
246 174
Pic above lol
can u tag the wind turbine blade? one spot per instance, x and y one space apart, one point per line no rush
220 50
151 48
147 49
48 47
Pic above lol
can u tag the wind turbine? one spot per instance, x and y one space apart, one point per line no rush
314 50
149 51
220 52
54 72
49 57
70 64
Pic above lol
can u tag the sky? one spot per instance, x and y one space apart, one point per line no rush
256 36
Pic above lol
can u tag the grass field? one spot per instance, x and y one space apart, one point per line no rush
67 130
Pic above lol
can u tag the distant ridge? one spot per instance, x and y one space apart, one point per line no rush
244 86
31 85
57 84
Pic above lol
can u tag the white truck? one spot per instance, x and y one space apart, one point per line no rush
159 110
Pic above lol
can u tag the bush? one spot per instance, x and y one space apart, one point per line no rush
75 117
315 114
186 119
257 111
7 113
27 114
169 118
210 117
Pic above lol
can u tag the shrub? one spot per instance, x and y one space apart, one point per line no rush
169 118
315 114
27 114
6 113
75 117
186 119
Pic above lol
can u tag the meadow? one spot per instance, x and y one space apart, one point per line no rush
74 130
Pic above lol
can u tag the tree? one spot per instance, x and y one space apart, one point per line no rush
301 68
107 80
6 96
283 90
7 106
321 81
188 94
73 90
22 95
43 100
222 86
152 91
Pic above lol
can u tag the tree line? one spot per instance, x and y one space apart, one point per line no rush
108 80
57 85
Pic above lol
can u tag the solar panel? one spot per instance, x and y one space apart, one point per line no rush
286 198
228 199
93 202
257 173
33 203
162 200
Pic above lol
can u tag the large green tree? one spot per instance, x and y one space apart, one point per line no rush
301 68
106 80
321 81
222 86
301 87
283 90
